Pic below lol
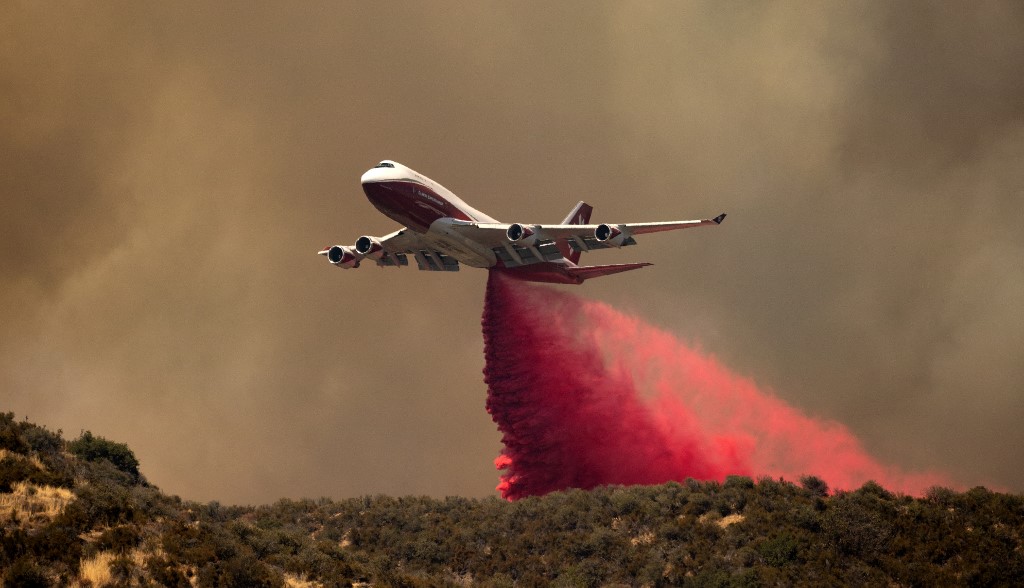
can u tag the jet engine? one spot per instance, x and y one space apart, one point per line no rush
343 257
611 235
369 247
523 235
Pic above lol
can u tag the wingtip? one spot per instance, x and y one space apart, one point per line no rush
718 219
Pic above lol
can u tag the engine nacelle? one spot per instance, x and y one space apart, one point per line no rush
369 247
523 235
611 235
343 257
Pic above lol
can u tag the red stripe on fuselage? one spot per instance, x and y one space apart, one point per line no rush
411 203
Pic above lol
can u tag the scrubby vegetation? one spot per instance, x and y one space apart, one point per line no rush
79 513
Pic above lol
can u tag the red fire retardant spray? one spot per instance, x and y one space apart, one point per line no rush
585 395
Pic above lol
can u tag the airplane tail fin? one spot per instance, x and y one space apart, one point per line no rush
579 215
586 272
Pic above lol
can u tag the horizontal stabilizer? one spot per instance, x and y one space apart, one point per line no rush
595 271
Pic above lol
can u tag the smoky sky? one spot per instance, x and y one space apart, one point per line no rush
169 171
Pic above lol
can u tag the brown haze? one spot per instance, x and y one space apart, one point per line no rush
168 172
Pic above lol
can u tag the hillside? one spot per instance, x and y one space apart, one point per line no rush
79 513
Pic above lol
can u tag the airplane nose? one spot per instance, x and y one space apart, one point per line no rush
382 172
378 174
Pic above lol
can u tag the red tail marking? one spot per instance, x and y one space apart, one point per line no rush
580 215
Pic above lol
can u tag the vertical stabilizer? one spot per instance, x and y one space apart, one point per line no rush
579 215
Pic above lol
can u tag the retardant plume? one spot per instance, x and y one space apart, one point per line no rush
585 395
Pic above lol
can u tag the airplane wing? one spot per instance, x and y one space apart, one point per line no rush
513 244
570 231
394 249
517 244
399 245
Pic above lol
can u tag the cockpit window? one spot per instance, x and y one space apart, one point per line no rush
384 164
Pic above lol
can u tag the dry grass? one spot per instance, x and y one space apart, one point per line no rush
723 522
4 454
730 520
96 571
138 557
711 516
293 581
645 538
35 504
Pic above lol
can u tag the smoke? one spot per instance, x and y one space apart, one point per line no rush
170 168
585 395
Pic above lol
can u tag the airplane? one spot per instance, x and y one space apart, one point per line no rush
441 231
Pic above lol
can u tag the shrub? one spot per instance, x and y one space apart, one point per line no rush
243 570
92 448
941 496
57 543
26 573
815 485
854 529
699 504
123 571
874 489
12 441
779 550
13 470
738 482
99 505
42 440
165 573
120 539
